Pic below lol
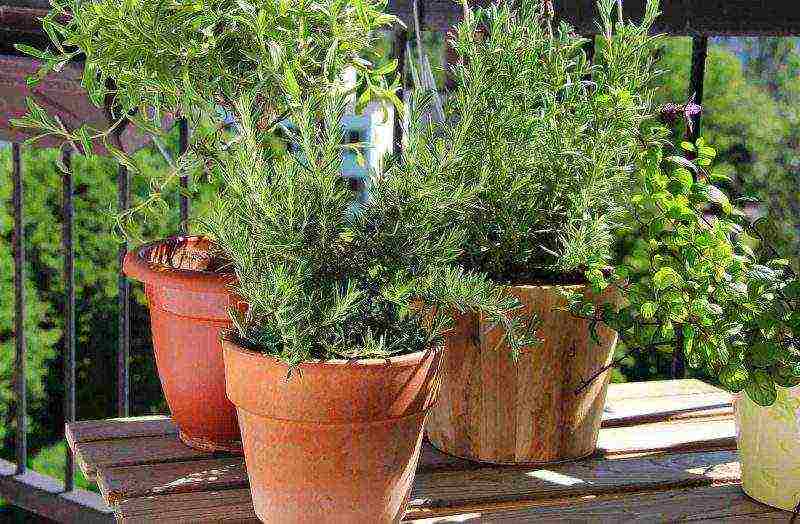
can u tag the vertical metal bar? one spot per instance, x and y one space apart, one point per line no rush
400 40
589 48
183 145
123 354
18 247
699 55
69 309
698 73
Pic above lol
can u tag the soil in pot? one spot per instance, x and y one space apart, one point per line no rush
338 441
492 409
188 294
769 448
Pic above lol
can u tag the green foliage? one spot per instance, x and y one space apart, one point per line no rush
324 281
40 337
96 292
750 115
52 460
694 282
553 138
145 59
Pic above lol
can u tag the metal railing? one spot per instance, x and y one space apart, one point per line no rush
26 488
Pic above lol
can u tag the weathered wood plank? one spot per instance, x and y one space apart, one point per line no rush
120 483
113 428
636 403
659 389
441 493
438 491
92 456
720 503
208 506
670 436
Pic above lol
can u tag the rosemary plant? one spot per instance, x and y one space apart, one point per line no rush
323 281
554 138
145 60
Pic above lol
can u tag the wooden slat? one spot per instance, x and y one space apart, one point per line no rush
113 428
91 456
179 477
678 436
643 402
659 389
453 492
721 503
439 492
208 506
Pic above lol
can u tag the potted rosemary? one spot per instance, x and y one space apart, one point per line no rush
336 359
698 277
553 143
146 60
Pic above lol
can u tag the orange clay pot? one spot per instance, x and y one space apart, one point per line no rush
188 309
338 441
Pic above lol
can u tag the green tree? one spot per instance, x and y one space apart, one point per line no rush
750 114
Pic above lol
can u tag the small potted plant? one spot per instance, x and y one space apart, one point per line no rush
698 278
553 142
335 358
145 60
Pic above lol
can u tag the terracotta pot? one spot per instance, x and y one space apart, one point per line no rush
492 409
338 441
188 309
769 448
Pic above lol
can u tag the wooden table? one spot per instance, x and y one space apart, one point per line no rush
666 453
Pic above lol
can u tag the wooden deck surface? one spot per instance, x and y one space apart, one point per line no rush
666 453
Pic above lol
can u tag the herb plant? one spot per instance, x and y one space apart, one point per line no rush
144 60
700 282
323 280
554 138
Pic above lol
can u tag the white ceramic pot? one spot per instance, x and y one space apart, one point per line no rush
769 448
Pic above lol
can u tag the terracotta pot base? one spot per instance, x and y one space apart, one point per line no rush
203 444
188 309
337 442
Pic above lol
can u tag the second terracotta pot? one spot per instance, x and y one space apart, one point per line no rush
188 309
492 409
338 441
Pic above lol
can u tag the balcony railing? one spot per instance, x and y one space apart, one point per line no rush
699 19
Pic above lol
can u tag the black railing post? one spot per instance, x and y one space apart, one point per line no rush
699 55
20 383
69 309
183 145
123 298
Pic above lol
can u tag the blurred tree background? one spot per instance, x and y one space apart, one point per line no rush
751 115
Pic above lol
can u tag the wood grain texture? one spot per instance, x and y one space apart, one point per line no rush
444 493
91 456
678 436
118 483
108 429
718 503
494 410
439 492
233 505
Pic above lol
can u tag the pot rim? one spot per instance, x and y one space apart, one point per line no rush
137 267
409 359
